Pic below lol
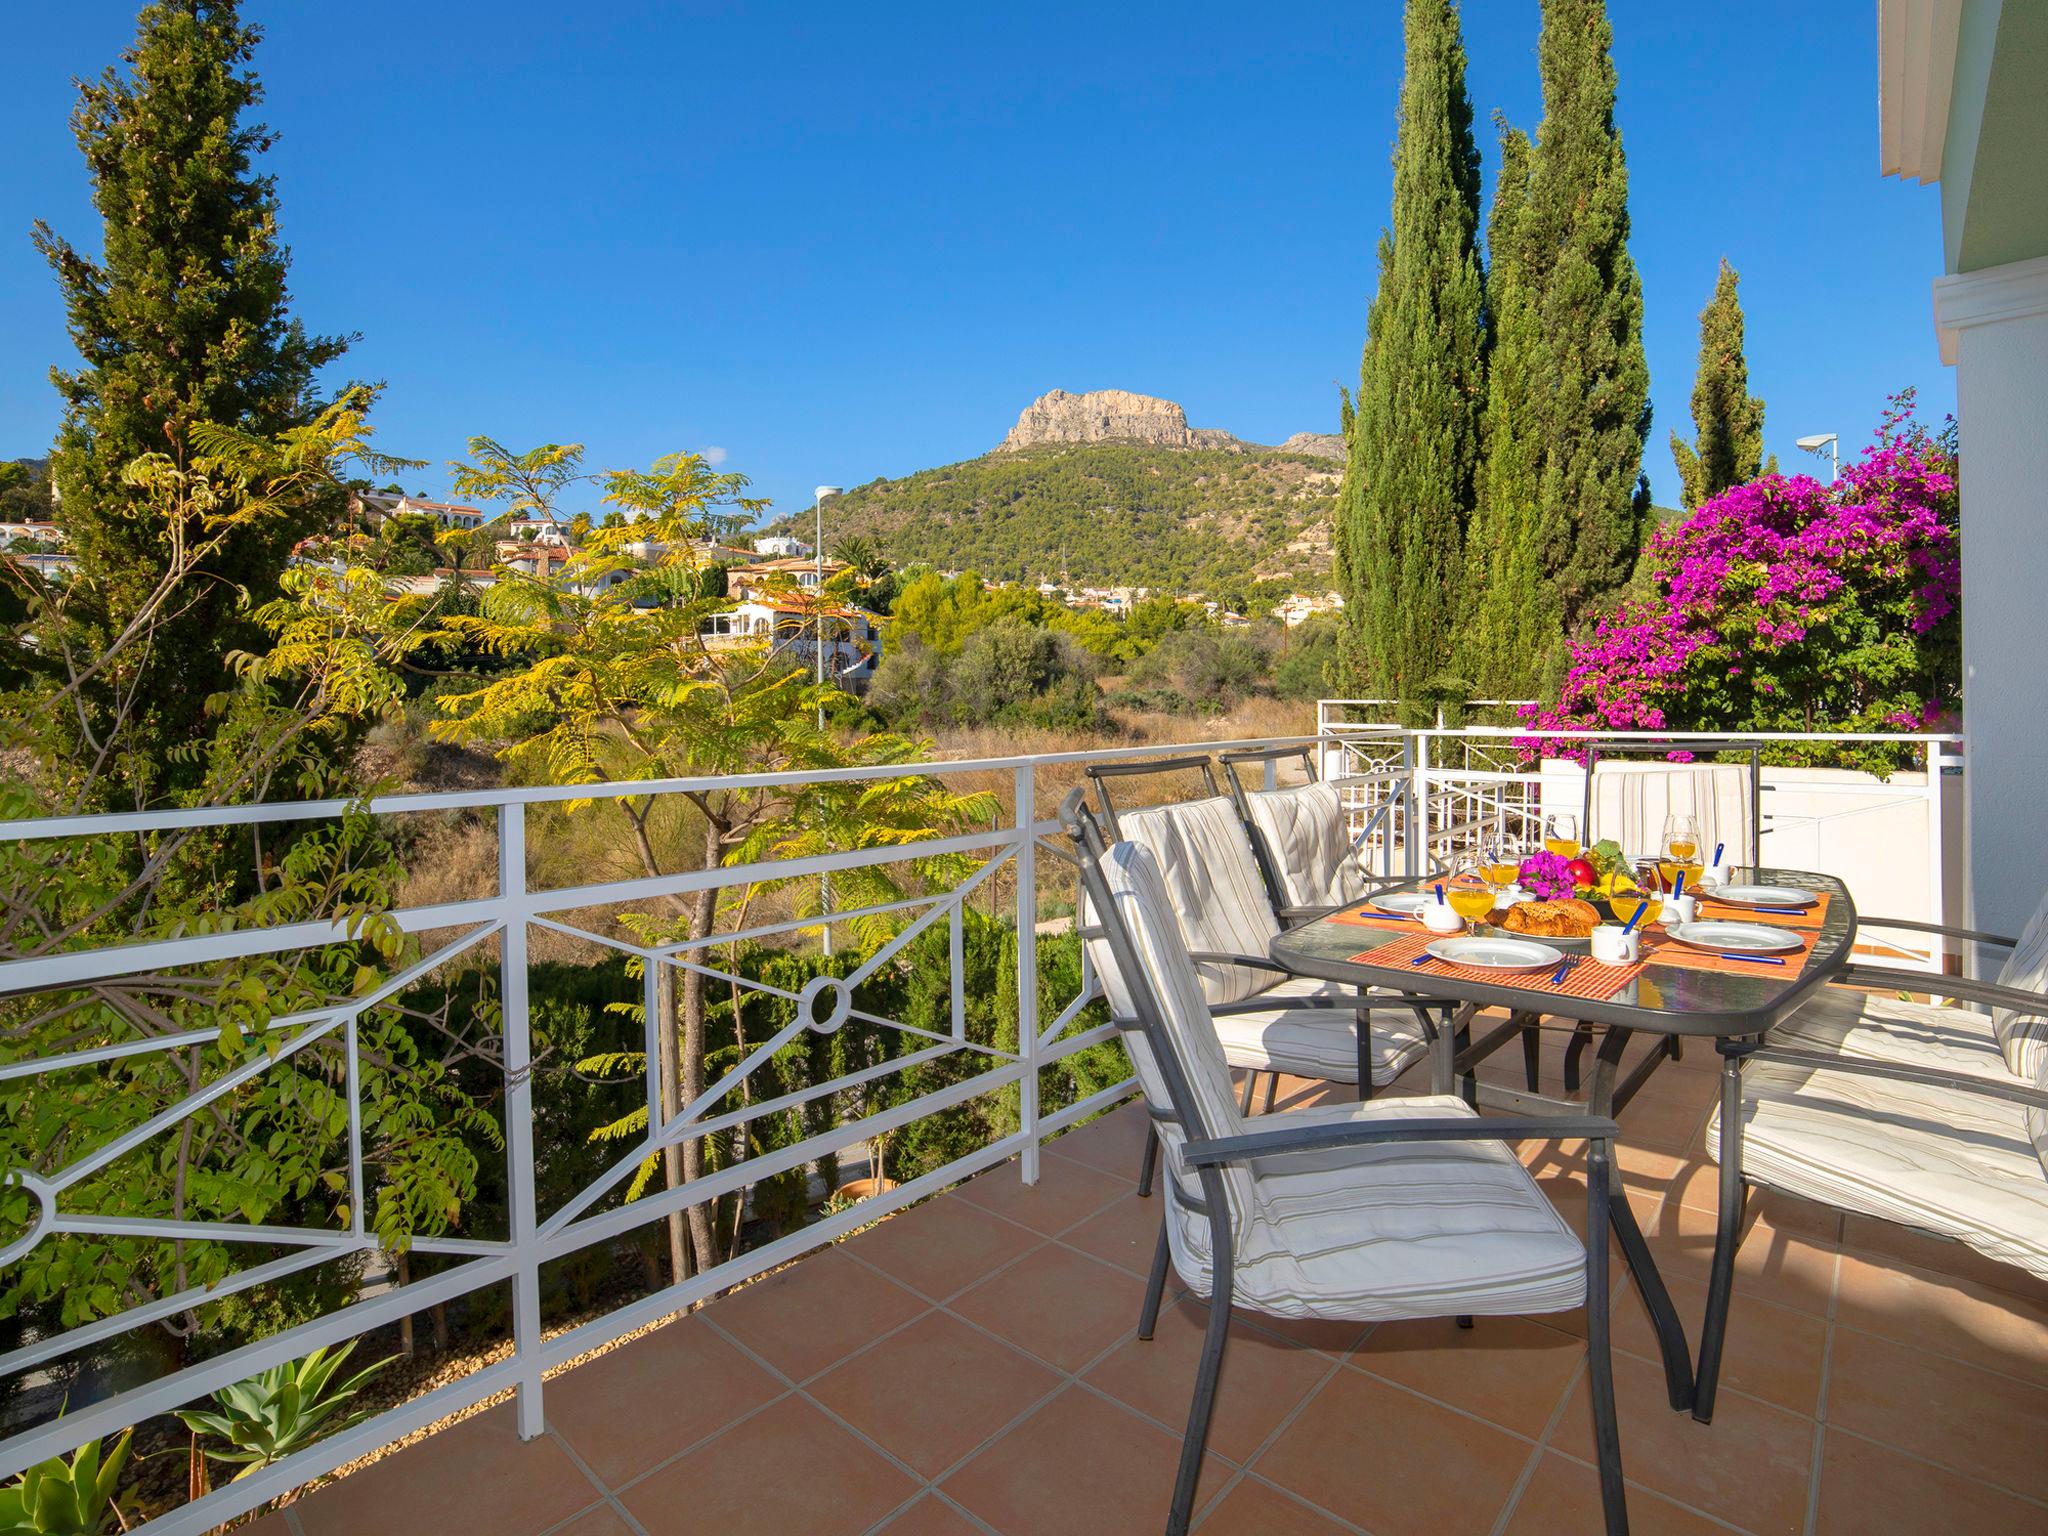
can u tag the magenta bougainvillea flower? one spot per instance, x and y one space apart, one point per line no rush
1546 877
1789 605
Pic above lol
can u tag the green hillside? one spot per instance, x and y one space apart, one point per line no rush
1108 514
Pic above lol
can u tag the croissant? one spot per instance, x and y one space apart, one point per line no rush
1571 919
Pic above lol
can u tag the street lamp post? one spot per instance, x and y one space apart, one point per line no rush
818 644
1829 443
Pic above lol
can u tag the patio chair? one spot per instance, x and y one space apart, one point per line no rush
1306 853
1268 1020
1628 801
1394 1208
1935 1118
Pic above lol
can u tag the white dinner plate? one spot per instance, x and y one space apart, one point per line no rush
1498 954
1765 896
1737 938
1402 903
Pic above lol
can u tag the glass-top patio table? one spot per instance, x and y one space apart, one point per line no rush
1670 1001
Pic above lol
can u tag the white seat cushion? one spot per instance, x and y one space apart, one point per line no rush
1416 1229
1877 1027
1213 884
2024 1036
1305 836
1319 1042
1959 1164
1373 1233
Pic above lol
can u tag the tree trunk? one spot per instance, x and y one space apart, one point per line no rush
672 1100
404 1323
703 916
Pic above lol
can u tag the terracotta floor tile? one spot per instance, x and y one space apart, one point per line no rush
1789 1268
942 1246
789 1468
1114 1142
1253 1509
815 1313
931 1516
1123 1233
1062 1306
1949 1315
1385 1459
1080 1466
1866 1487
1066 1192
934 1391
1922 1250
1564 1496
601 1521
477 1474
1771 1352
1749 1466
1263 1378
1942 1410
1508 1370
648 1399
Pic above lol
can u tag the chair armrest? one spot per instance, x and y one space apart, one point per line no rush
1969 935
1287 1140
1265 1003
1967 988
1249 962
1298 915
2014 1092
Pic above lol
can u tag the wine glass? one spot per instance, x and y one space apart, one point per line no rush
1647 895
1681 838
1561 834
1500 856
1470 893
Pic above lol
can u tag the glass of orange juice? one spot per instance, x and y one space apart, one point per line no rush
1469 894
1626 904
1681 839
1561 834
1500 860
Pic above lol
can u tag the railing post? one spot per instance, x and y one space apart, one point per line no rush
526 1340
1027 965
1418 805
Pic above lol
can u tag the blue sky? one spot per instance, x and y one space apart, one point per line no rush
850 242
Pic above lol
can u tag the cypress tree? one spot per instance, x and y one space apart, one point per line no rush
1414 435
1728 419
1513 619
184 317
1593 498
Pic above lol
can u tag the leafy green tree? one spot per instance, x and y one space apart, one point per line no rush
612 679
528 484
25 491
1594 382
685 490
1513 619
183 318
1414 438
1729 420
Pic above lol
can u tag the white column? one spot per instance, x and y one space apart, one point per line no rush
1994 327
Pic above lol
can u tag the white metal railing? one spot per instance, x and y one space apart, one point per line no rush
1453 785
508 917
1410 792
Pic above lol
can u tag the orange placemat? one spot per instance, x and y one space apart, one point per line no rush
1661 949
1367 917
1727 911
1589 978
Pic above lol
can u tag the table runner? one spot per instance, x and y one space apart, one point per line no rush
1589 978
1660 948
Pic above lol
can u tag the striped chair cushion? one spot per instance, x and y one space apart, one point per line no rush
1308 844
1876 1027
1212 882
2024 1036
1319 1042
1953 1163
1369 1233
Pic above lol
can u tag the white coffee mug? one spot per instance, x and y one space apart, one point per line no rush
1680 909
1438 917
1611 946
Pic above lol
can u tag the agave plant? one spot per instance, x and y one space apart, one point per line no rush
285 1409
60 1498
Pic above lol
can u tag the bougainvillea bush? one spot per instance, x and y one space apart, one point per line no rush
1789 605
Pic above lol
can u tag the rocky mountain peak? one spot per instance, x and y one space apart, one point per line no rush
1110 415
